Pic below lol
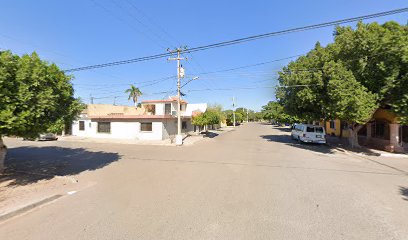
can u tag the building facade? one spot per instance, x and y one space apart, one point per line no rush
383 131
154 120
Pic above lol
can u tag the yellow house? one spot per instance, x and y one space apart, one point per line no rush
336 128
383 131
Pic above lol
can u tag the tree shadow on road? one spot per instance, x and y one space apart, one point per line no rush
331 147
282 129
286 139
404 193
210 135
26 165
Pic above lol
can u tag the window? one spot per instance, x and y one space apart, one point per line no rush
319 129
332 125
310 129
404 132
167 109
81 125
380 129
104 127
344 125
184 125
146 127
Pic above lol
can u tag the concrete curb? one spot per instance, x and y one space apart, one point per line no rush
378 153
27 208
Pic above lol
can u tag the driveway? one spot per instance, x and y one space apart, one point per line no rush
251 183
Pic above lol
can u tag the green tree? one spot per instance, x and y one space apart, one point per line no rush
229 116
275 111
34 96
209 117
217 108
134 93
363 69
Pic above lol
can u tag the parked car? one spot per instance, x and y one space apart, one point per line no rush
308 133
47 137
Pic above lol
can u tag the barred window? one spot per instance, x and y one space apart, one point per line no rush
104 127
146 127
167 109
81 125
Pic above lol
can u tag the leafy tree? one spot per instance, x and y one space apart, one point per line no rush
275 111
217 108
258 116
134 93
34 97
209 117
229 115
365 68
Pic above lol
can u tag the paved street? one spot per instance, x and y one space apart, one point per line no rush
251 183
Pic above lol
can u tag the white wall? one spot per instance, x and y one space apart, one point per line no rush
86 132
120 130
155 134
159 108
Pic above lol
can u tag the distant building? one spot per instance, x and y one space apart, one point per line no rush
154 120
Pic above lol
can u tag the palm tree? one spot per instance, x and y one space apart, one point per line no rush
134 93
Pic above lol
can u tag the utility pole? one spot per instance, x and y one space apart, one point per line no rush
180 74
91 98
247 116
114 100
233 109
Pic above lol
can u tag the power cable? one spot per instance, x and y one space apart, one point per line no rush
242 40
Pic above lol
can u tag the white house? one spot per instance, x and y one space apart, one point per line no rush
154 120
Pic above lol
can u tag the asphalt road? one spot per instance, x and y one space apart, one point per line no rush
251 183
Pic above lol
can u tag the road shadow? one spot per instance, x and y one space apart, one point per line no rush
282 129
341 146
211 135
333 143
26 165
287 139
404 193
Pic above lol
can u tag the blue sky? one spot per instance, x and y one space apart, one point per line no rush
84 32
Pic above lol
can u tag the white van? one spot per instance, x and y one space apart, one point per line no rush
308 133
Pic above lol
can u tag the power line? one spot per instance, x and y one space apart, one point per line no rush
298 29
242 40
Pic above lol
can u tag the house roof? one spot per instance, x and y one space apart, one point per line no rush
117 116
169 100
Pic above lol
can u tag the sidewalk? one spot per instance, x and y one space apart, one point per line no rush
395 161
192 139
166 142
342 143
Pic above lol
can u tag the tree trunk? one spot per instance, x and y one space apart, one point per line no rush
3 151
353 135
